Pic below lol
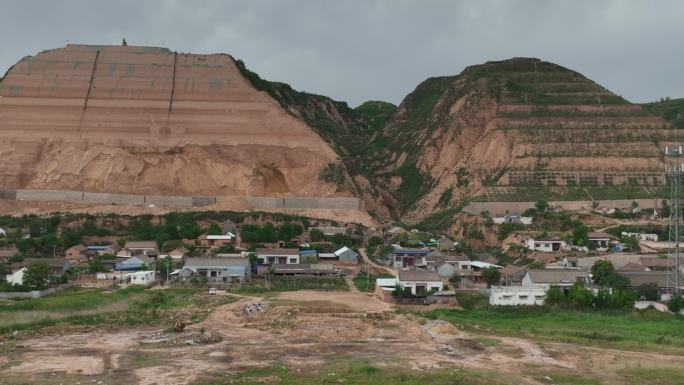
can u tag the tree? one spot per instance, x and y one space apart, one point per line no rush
676 303
165 266
601 271
96 265
665 210
541 205
316 235
649 292
555 297
214 229
455 280
37 275
632 243
536 265
340 239
4 269
616 280
491 275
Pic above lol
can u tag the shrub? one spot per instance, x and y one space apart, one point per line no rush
649 292
676 303
472 300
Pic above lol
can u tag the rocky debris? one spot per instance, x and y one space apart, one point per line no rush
440 328
178 326
253 308
173 339
445 348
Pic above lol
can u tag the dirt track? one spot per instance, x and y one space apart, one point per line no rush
298 329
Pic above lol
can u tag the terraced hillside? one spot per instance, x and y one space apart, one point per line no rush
143 120
514 123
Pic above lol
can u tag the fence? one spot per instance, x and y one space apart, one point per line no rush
34 293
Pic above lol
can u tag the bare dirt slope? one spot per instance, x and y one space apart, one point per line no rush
147 120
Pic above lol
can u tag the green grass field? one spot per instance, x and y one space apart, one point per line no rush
133 305
358 373
639 330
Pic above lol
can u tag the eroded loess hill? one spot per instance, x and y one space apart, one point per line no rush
519 122
147 120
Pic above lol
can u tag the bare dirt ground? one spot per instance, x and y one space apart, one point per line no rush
302 330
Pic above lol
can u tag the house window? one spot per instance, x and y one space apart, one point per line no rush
293 260
522 297
539 297
507 297
213 274
464 267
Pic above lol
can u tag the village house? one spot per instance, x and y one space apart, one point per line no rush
328 231
513 219
58 266
142 278
546 244
570 261
601 241
93 250
419 282
175 254
277 256
135 263
3 233
445 244
556 277
308 256
658 263
304 269
76 254
145 248
406 257
512 275
517 295
215 241
663 279
216 270
7 253
448 264
347 256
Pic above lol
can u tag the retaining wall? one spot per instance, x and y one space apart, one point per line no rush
176 201
501 208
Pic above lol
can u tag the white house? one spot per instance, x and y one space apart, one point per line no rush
517 295
513 219
547 244
142 277
16 278
600 240
555 277
277 256
641 236
420 282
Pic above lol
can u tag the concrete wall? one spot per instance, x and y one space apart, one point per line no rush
501 208
34 293
303 203
176 201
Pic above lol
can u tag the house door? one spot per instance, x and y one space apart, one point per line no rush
409 261
421 289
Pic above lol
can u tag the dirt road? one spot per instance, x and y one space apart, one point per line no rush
301 330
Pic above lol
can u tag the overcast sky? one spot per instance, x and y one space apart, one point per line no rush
364 49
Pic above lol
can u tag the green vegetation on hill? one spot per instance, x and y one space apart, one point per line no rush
376 113
671 110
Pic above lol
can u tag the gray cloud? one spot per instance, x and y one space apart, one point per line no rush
364 49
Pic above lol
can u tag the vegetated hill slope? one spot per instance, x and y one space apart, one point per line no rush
130 119
518 122
671 110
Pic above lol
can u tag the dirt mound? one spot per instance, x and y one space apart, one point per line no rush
147 120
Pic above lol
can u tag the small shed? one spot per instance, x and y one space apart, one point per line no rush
347 255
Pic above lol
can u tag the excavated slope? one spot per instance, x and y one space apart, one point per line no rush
518 122
127 119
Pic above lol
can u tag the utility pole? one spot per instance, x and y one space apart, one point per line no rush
675 169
